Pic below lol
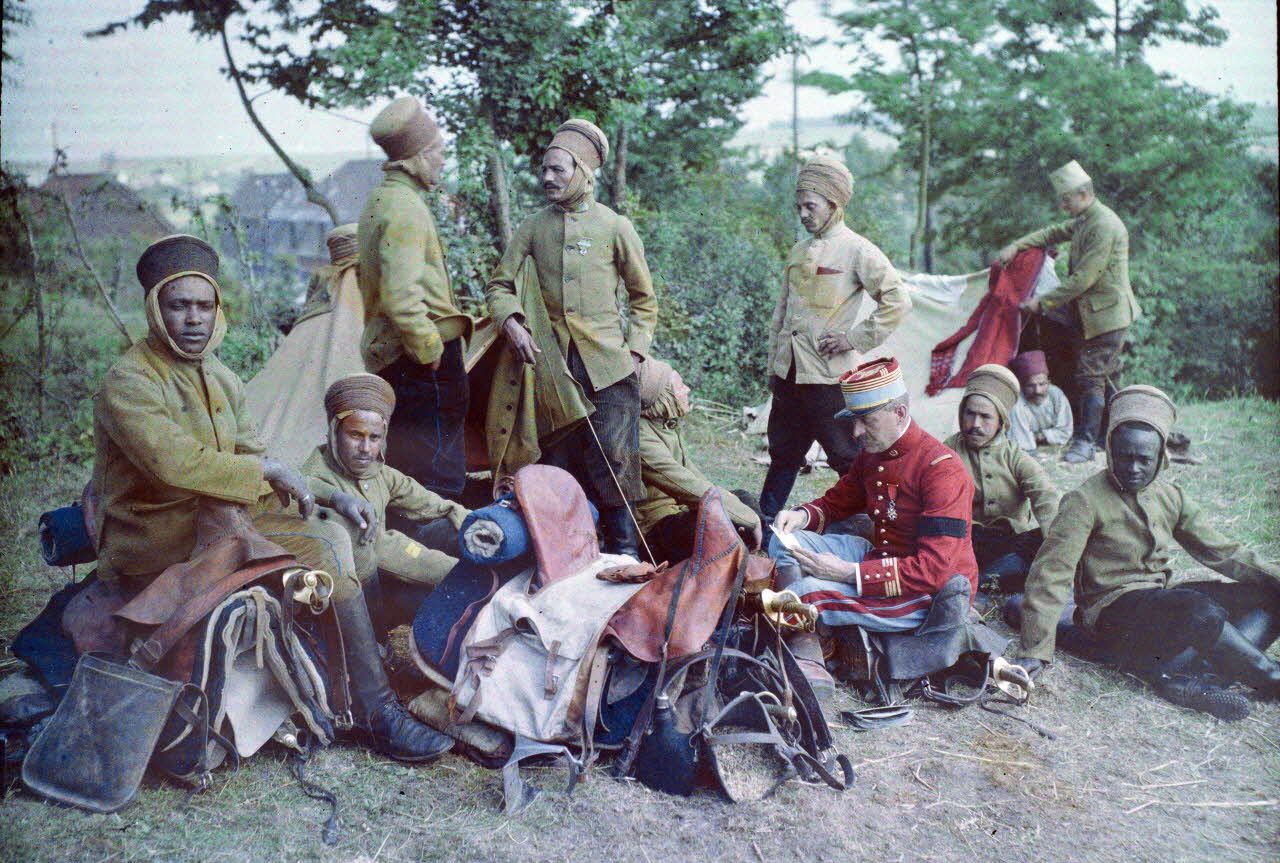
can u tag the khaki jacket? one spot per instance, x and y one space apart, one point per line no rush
580 258
672 483
822 290
1098 280
1105 543
1008 486
388 489
409 305
167 432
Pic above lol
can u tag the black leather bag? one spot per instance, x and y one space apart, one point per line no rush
93 751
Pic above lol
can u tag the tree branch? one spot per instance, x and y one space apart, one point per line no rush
97 280
303 176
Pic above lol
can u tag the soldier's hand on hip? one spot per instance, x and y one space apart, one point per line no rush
359 512
1031 306
288 483
520 340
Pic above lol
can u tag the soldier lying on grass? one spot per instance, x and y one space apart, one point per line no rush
1113 541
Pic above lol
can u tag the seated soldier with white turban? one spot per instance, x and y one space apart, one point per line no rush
1042 415
349 474
673 485
1112 545
172 437
815 334
1009 485
919 498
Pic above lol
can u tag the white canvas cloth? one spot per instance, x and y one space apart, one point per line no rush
286 398
939 306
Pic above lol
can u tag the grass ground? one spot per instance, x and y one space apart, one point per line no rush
1127 776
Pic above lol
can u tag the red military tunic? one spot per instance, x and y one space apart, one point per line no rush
920 499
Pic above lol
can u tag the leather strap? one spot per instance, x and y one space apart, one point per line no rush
147 652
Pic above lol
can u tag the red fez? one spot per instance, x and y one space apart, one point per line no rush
1028 364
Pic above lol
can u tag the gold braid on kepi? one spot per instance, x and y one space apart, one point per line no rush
360 392
870 387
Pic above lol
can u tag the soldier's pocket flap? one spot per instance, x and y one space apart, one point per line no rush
1104 301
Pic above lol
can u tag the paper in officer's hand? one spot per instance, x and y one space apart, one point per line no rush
788 540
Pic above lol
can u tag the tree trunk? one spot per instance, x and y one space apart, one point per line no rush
927 260
303 176
499 196
1115 32
620 169
922 190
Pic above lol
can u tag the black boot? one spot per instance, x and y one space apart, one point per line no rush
1260 625
1238 658
620 535
1083 446
1198 692
395 732
778 482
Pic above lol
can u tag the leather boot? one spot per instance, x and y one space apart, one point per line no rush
1260 625
1198 692
807 649
1086 443
1238 658
394 731
620 535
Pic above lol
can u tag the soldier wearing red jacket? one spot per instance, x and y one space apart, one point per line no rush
920 499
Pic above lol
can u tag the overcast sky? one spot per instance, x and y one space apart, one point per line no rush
158 92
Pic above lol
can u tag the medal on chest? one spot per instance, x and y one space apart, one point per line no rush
583 245
891 512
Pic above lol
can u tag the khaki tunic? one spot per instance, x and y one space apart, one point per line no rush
825 279
167 431
580 257
1098 280
1008 486
672 483
409 305
1105 543
387 490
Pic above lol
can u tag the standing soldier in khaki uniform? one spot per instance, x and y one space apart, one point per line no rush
414 333
1112 545
815 336
1096 299
1008 484
582 250
173 437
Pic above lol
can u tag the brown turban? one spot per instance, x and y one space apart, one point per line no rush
655 377
1142 404
584 141
1028 364
403 129
828 177
342 243
361 392
997 384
